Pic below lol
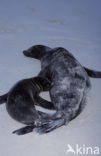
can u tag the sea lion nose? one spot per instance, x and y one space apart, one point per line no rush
25 52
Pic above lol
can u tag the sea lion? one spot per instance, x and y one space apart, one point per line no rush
41 50
22 98
69 84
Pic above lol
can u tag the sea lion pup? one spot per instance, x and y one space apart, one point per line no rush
39 101
69 84
21 100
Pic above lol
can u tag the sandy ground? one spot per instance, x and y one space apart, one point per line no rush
75 25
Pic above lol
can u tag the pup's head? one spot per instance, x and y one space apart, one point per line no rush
36 51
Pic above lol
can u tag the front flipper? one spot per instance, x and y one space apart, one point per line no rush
44 103
93 73
44 85
24 130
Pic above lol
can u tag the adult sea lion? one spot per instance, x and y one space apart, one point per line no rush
69 84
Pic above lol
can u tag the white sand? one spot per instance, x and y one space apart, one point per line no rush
73 24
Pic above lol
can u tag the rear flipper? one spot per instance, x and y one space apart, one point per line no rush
44 103
49 126
27 129
92 73
3 98
57 120
24 130
45 128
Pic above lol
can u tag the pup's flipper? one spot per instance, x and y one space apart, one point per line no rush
3 98
44 103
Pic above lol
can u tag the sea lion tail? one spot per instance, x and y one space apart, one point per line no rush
92 73
3 98
44 103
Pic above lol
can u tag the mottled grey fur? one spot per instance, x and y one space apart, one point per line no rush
69 84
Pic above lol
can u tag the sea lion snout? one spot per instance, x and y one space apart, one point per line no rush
32 52
27 53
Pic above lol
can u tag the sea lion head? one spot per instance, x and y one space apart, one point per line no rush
36 51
